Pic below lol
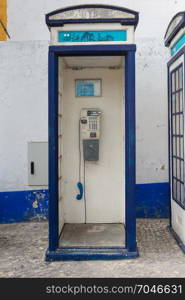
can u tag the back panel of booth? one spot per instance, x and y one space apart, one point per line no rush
105 178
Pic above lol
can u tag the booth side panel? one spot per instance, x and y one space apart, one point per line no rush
53 151
177 200
130 143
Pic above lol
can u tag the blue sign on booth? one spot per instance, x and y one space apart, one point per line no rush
92 36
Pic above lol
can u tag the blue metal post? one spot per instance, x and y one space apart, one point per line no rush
53 151
130 145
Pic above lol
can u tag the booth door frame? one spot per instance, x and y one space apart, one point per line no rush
180 53
127 50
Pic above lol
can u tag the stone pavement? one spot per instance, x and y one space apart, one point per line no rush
23 245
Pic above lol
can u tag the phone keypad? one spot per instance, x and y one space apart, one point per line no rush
93 125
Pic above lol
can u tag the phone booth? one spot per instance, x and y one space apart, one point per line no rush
175 41
92 133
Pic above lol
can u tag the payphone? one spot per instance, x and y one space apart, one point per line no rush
90 133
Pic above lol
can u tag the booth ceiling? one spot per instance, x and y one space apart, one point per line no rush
94 62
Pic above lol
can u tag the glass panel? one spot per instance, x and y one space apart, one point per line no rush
177 80
178 196
181 100
181 124
177 147
177 125
177 129
182 148
174 146
178 169
183 198
173 125
173 103
173 82
179 139
178 99
177 102
182 193
174 189
182 171
174 167
180 77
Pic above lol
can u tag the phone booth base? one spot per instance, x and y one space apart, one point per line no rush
91 136
175 40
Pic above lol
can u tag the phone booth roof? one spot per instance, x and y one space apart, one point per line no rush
176 24
92 13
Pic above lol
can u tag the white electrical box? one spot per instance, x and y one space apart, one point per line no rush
38 163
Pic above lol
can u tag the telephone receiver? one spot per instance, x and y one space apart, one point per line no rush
80 187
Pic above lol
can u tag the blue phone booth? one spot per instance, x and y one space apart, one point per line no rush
92 133
175 41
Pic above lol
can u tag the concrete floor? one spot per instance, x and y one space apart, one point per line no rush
23 245
92 235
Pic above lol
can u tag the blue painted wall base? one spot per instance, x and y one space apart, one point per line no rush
152 201
20 206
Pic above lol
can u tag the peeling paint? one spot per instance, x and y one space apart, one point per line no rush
35 204
19 206
152 200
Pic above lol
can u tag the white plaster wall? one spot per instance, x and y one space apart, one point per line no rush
151 111
23 88
23 112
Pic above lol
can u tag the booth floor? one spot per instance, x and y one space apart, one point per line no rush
92 235
23 247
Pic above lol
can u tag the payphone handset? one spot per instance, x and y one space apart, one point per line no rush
90 123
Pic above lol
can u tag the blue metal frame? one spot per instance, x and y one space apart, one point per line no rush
123 21
53 150
130 150
169 147
130 250
90 254
172 168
